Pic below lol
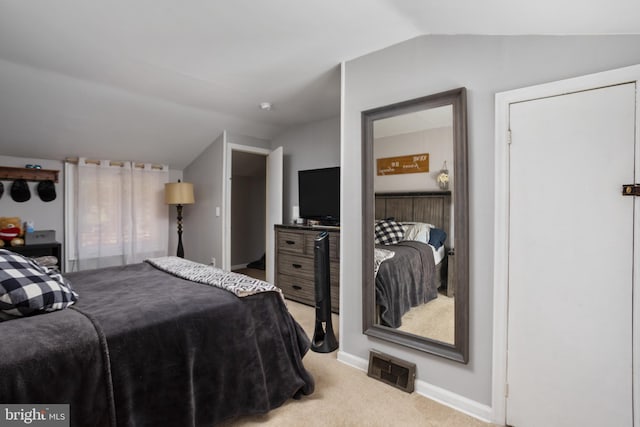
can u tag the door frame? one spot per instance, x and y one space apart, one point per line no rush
226 219
501 223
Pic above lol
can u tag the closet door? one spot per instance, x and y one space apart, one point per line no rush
569 360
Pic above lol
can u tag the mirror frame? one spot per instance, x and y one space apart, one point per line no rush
459 351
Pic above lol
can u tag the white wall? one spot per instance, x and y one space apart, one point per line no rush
437 142
203 234
202 229
430 64
309 146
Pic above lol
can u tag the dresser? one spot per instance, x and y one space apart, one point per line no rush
295 263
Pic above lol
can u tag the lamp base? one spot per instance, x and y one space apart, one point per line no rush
180 252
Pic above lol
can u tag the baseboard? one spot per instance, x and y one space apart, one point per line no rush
455 401
440 395
353 361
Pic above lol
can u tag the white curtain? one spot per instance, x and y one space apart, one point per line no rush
119 214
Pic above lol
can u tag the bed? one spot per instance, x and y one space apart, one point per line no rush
144 347
410 272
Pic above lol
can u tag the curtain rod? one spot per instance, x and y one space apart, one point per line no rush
75 160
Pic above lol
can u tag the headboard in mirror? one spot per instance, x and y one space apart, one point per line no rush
416 285
428 207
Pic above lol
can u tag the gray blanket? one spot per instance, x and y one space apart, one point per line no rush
144 348
404 281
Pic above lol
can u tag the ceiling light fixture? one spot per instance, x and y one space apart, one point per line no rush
266 106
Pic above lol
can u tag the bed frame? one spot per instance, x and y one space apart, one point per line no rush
433 207
430 207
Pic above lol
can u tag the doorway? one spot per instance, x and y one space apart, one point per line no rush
272 207
565 330
248 213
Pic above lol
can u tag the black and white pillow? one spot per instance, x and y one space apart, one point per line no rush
388 232
27 288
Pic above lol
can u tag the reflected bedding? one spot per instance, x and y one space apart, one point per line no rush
406 280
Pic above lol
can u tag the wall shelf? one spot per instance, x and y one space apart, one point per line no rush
28 174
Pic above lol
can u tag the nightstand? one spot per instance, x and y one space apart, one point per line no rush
41 249
451 273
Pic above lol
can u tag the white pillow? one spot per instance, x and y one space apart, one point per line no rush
418 231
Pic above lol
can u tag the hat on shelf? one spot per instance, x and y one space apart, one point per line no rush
20 191
47 190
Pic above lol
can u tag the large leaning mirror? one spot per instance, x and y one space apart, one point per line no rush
415 224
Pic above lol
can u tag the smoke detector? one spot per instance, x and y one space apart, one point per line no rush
266 106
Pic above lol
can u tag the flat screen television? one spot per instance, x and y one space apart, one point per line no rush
319 195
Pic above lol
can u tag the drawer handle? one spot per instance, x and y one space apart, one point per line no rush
290 242
296 265
296 287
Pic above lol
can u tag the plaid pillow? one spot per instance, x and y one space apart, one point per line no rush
388 232
27 288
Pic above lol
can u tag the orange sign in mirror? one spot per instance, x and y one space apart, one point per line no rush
414 163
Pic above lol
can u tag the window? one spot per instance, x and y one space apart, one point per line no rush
115 213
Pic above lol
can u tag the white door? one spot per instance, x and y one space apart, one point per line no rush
569 359
274 207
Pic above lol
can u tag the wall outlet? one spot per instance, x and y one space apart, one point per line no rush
213 261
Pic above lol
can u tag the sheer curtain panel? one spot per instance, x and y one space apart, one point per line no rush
118 213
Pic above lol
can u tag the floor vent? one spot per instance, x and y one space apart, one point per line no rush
393 371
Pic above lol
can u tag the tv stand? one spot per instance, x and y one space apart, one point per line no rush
295 262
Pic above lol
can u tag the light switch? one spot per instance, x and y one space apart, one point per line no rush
217 210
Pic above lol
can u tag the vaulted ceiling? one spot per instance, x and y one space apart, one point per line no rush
159 80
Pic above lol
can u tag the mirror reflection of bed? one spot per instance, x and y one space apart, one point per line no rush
413 289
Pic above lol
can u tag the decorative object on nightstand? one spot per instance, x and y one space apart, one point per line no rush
11 231
179 193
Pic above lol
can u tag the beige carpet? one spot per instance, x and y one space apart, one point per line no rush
435 319
345 396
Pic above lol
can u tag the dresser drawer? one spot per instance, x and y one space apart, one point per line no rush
334 245
297 288
303 290
334 273
291 242
295 265
335 299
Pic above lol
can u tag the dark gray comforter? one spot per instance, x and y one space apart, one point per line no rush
404 281
144 348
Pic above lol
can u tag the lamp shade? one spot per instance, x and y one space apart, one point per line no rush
178 193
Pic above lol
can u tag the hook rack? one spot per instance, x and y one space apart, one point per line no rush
28 174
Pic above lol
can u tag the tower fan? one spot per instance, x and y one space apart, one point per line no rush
324 340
